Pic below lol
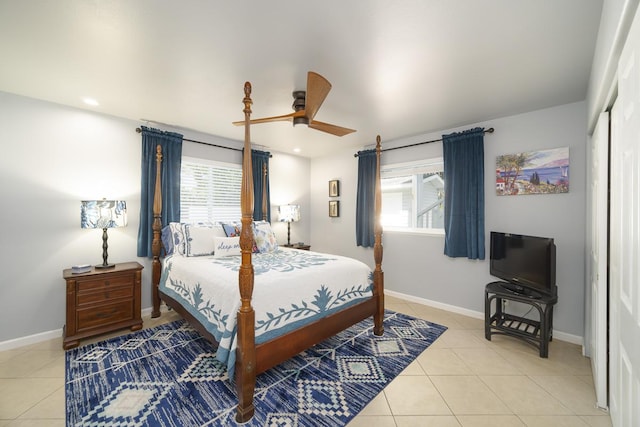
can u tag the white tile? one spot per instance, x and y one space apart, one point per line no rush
458 338
378 406
484 361
21 394
415 395
444 361
524 397
372 421
468 395
573 392
603 420
51 407
557 421
426 420
490 421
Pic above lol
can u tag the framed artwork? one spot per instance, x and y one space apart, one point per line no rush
533 172
334 208
334 188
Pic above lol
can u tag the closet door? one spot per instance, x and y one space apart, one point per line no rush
599 201
625 238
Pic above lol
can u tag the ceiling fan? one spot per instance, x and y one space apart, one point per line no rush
306 104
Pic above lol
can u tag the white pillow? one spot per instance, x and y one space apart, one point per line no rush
225 246
199 239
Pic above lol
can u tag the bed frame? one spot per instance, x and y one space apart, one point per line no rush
252 359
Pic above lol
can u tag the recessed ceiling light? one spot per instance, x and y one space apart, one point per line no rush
90 101
296 150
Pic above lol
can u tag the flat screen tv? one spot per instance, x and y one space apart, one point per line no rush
526 263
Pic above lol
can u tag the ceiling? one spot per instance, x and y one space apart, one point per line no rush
397 68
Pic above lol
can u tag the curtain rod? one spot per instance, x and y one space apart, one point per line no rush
490 130
206 143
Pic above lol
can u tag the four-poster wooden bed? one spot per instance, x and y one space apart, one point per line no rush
253 358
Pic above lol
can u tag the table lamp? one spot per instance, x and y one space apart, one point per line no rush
289 214
103 214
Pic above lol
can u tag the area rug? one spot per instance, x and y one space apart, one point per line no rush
168 376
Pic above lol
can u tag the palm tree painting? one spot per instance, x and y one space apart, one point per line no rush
533 172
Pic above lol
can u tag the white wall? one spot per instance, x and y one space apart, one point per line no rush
53 157
289 184
415 264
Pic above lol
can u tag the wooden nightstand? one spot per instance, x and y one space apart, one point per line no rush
298 246
102 300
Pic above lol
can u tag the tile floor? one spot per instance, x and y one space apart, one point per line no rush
460 380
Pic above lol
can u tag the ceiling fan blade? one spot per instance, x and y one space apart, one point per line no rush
272 119
317 90
329 128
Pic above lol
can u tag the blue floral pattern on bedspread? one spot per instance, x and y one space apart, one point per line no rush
291 288
274 261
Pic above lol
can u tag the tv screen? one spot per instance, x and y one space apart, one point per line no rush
526 262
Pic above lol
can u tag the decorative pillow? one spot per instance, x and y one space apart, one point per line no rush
264 237
233 229
199 239
225 246
176 237
167 241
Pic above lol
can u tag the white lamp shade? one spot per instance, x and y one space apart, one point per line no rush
289 213
103 214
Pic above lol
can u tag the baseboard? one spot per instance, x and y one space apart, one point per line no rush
562 336
56 333
30 339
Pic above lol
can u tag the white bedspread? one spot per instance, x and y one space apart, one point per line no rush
291 288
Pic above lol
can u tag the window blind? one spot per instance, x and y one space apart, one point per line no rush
209 191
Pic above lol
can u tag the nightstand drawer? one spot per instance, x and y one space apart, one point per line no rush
105 283
104 315
104 295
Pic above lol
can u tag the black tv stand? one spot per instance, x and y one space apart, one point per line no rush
520 290
537 333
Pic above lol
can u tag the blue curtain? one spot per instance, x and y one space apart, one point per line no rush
260 159
464 194
170 175
365 198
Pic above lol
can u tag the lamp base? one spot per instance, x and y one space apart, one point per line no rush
105 255
105 266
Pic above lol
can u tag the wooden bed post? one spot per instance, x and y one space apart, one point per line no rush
264 192
378 274
245 368
156 244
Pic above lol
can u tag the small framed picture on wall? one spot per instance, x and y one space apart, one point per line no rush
334 208
334 188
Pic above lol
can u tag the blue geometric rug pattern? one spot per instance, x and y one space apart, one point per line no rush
169 376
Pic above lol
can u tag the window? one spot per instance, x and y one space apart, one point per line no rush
413 196
209 191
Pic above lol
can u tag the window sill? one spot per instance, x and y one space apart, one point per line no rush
414 231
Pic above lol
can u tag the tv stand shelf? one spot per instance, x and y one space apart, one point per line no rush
537 333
